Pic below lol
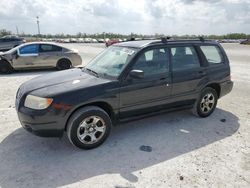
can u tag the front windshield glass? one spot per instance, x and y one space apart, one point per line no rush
111 61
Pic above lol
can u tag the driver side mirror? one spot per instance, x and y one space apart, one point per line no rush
137 74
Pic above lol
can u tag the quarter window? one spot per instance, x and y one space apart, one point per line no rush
212 54
184 58
29 49
152 62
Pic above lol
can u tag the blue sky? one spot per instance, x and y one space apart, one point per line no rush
126 16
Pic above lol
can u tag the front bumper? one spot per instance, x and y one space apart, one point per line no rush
226 87
41 123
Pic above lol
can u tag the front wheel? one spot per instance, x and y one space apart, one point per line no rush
207 102
5 67
89 127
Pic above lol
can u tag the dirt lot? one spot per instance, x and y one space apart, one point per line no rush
186 151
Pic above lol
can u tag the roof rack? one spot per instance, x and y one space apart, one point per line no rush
166 39
201 39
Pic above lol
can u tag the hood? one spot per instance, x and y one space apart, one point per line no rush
62 81
6 55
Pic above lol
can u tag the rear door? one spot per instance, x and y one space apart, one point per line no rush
187 71
49 54
139 96
27 56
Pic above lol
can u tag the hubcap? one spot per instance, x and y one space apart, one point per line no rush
207 103
91 130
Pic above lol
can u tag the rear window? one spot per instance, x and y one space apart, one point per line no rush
212 54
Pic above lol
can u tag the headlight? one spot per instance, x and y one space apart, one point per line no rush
37 103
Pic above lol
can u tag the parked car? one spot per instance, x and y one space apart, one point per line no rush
247 41
38 55
128 80
111 42
10 41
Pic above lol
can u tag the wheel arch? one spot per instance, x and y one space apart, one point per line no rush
103 105
5 62
63 58
216 87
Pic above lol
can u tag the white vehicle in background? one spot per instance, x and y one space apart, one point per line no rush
87 40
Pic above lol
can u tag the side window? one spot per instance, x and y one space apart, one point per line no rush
153 62
49 48
29 49
212 54
184 57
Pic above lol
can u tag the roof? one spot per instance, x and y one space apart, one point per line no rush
28 43
136 43
144 43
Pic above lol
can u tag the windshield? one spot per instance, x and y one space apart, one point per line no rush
111 61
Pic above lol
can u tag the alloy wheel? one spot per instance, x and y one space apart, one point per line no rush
207 103
91 130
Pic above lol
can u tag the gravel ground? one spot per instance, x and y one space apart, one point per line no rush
186 151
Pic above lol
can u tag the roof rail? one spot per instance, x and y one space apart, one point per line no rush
202 39
165 39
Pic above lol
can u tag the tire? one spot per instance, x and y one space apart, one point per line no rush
5 67
206 103
86 124
63 64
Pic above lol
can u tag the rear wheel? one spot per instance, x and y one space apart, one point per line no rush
89 127
63 64
207 102
5 67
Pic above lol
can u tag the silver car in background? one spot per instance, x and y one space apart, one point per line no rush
36 55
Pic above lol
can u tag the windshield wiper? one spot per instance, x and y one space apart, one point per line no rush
93 72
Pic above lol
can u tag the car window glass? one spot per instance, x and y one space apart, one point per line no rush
152 62
149 55
212 54
112 61
49 48
184 58
29 49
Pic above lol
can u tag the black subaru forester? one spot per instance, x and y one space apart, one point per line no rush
127 80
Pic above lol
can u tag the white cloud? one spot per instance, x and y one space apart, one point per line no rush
125 16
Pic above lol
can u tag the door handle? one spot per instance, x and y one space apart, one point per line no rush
163 78
203 73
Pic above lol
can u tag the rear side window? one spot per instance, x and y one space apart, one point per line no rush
184 58
29 49
49 48
212 54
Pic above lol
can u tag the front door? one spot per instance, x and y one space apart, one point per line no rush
26 56
142 95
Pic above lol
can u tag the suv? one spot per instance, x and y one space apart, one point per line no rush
126 81
10 41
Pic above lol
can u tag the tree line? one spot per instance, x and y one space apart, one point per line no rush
4 32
